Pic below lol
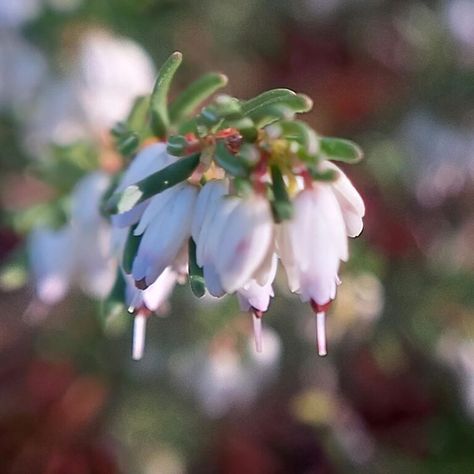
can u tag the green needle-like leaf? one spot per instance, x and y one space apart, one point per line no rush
196 278
281 205
196 93
153 184
159 98
269 97
338 149
284 109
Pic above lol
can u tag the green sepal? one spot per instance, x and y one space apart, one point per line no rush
281 205
160 120
209 117
177 145
153 184
130 250
128 143
196 277
339 149
192 96
229 162
113 311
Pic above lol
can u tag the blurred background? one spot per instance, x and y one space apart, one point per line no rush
396 393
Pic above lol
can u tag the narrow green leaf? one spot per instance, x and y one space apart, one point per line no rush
268 97
192 96
159 98
281 205
138 117
153 184
339 149
229 162
196 278
130 250
284 109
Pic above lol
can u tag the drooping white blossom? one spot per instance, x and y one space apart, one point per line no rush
79 252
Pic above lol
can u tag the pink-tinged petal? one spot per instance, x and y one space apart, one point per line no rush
244 242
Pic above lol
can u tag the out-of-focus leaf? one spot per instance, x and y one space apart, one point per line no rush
196 93
338 149
160 120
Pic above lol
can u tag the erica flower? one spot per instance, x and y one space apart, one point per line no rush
246 185
78 252
235 241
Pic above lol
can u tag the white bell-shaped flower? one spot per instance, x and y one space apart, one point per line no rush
235 240
166 228
312 244
80 252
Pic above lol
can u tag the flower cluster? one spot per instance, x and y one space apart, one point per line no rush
221 196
